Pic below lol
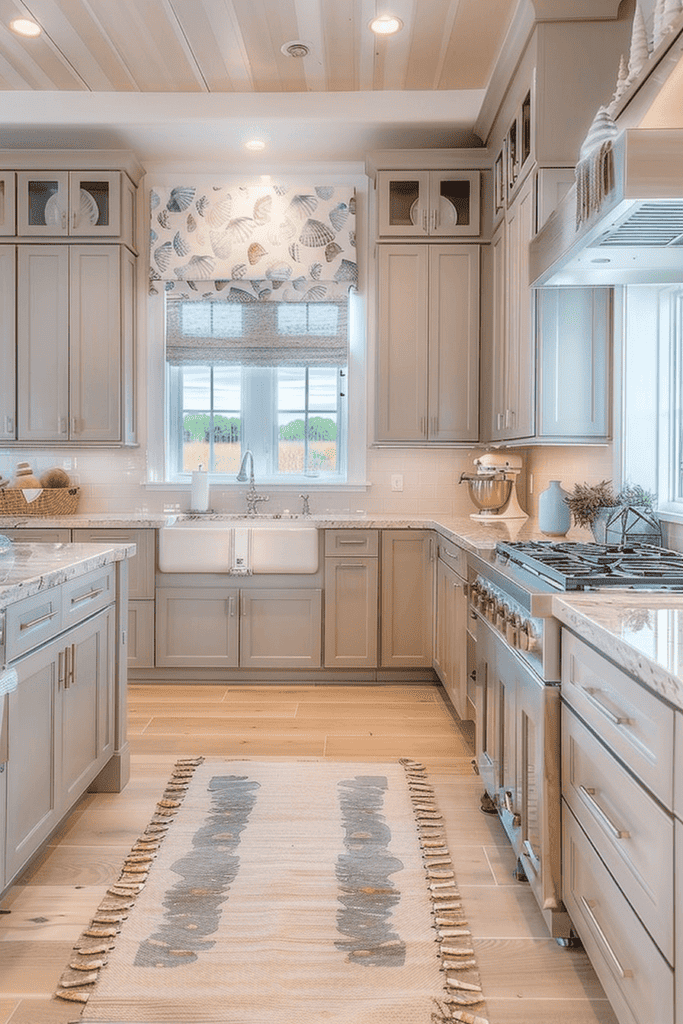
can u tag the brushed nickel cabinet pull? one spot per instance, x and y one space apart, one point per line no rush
72 666
60 668
592 692
87 597
351 565
67 676
589 794
588 907
37 622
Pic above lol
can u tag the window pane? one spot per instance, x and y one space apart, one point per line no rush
291 385
227 387
322 387
291 446
322 444
227 445
196 387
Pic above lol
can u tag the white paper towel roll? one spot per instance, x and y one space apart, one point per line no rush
199 498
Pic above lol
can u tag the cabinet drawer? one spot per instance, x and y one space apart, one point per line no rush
37 535
140 566
351 542
636 978
87 595
633 722
630 831
454 557
33 621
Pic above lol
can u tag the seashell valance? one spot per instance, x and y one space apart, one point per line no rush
255 243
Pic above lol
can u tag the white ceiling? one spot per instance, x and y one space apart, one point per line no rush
190 79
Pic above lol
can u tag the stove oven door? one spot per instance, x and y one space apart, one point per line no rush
518 755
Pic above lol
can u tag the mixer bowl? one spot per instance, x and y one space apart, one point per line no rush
489 493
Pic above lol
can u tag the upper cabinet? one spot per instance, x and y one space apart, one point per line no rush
421 204
7 202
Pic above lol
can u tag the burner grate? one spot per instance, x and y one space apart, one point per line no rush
576 566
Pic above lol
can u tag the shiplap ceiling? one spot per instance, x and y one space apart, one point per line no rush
178 78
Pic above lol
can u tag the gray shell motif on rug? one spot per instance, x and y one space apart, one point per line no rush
260 234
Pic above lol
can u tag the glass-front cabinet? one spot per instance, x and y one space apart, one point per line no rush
80 204
428 203
7 202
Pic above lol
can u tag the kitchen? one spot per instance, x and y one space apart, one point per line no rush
122 480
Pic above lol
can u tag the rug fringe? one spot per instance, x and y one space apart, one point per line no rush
75 985
448 920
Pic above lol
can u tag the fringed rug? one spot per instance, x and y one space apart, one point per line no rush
292 892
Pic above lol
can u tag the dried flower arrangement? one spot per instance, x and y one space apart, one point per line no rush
586 500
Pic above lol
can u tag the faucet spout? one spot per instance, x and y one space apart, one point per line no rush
252 496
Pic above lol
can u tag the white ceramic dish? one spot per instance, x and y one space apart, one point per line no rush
88 211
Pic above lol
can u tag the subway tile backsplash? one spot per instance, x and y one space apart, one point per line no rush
114 480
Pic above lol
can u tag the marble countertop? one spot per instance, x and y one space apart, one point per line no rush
641 632
27 569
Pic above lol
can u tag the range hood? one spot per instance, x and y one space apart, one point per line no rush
637 235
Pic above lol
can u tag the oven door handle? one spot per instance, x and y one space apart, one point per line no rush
589 796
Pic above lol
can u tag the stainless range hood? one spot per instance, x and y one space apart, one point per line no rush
637 235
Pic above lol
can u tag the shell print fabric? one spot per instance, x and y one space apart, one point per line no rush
265 237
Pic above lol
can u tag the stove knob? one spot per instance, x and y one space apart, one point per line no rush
527 640
512 630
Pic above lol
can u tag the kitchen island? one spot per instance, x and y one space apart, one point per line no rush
63 677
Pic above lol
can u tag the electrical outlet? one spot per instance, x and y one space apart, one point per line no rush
396 482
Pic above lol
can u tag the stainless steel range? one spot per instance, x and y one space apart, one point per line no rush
517 683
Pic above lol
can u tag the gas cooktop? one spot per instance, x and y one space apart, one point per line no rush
575 566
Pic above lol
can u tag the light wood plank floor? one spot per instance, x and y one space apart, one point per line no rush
526 976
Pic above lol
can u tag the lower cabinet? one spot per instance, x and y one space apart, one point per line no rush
618 831
450 634
406 598
351 602
216 627
61 735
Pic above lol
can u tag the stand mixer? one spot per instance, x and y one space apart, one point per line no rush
493 488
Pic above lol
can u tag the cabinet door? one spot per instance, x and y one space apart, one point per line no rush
281 628
197 627
574 341
496 383
520 339
95 203
454 203
403 323
87 703
141 634
95 343
454 343
43 203
8 208
404 202
43 342
407 586
8 343
351 612
33 799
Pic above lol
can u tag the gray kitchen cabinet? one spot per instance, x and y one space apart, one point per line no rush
428 203
53 203
351 611
619 830
140 586
450 632
37 534
69 343
61 717
280 628
8 192
406 598
8 346
428 343
197 626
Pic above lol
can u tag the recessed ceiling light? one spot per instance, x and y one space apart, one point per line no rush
255 144
296 48
25 27
386 25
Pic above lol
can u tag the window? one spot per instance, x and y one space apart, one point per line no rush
265 376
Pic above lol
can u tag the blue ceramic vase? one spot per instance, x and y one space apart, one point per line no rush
554 517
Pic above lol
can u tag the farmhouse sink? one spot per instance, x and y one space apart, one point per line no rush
210 545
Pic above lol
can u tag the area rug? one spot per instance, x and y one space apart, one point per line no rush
289 892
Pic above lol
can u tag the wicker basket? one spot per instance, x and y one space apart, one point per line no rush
52 501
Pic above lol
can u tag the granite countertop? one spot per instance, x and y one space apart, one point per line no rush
27 569
641 632
470 534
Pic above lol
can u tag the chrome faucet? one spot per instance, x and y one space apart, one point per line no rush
253 498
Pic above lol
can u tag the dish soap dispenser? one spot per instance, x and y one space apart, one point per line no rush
25 480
